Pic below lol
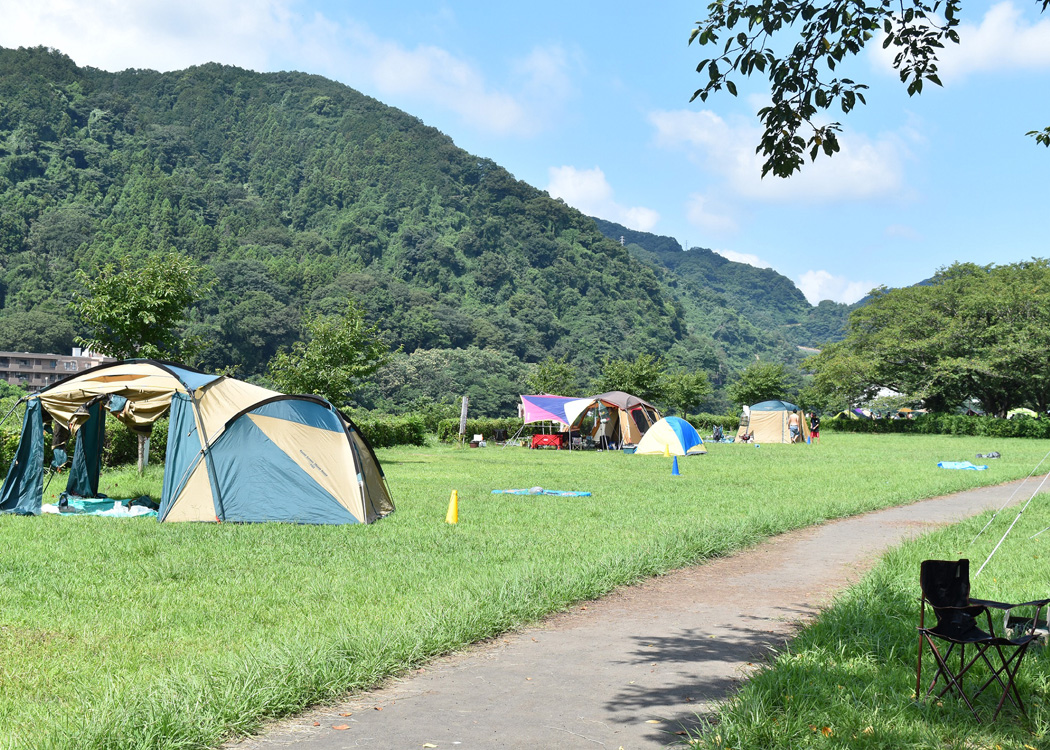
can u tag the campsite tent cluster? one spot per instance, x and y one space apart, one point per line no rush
235 451
239 452
617 419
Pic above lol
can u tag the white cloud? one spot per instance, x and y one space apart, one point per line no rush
862 170
1002 41
269 35
119 34
748 258
903 232
589 191
705 213
821 285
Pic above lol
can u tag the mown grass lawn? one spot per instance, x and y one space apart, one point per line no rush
125 633
848 680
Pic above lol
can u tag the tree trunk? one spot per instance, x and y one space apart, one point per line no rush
143 451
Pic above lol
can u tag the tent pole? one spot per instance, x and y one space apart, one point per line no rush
17 404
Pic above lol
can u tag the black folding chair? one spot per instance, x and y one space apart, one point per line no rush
945 586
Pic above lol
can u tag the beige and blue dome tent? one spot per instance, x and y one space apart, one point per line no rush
235 451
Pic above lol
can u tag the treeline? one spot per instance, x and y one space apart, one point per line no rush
974 335
296 193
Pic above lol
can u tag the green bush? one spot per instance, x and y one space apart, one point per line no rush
705 423
121 443
448 429
946 424
385 432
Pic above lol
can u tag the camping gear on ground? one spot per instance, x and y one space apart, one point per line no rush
671 436
554 440
541 491
945 586
767 422
960 465
993 454
612 419
235 451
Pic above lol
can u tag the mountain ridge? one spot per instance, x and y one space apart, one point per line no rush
297 192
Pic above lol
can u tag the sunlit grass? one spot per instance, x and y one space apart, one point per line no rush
126 633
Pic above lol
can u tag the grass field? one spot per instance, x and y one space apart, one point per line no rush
125 633
848 680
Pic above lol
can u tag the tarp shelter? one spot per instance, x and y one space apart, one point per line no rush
235 452
767 422
673 436
619 418
545 408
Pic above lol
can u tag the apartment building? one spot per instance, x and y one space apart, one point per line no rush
36 371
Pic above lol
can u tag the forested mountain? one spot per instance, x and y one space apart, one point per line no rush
297 192
766 298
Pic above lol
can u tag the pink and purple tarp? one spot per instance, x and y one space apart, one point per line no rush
545 408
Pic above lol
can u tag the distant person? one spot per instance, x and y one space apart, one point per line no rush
793 422
814 427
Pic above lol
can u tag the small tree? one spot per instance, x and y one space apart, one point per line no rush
339 352
552 376
761 381
135 312
643 376
683 391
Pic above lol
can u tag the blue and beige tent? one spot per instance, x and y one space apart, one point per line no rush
671 436
235 451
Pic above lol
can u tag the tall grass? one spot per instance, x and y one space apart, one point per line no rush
125 633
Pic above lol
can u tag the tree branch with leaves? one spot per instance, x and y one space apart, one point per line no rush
822 36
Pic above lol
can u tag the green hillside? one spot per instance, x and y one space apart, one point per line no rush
766 298
298 192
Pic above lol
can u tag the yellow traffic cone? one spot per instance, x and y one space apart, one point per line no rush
453 508
667 452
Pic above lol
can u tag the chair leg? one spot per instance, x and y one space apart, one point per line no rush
952 681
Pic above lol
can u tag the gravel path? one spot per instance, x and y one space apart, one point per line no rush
629 670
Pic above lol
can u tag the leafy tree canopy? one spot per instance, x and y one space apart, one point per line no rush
555 376
804 82
134 311
761 381
340 353
980 332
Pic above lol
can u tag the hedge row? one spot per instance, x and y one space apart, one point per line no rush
384 432
448 429
705 423
946 424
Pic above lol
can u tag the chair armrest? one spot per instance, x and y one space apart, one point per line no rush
1004 605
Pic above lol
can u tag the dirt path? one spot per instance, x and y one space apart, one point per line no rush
629 670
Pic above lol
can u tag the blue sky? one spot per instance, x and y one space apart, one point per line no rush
590 101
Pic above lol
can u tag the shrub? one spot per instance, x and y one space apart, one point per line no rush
946 424
121 444
448 429
384 432
705 423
